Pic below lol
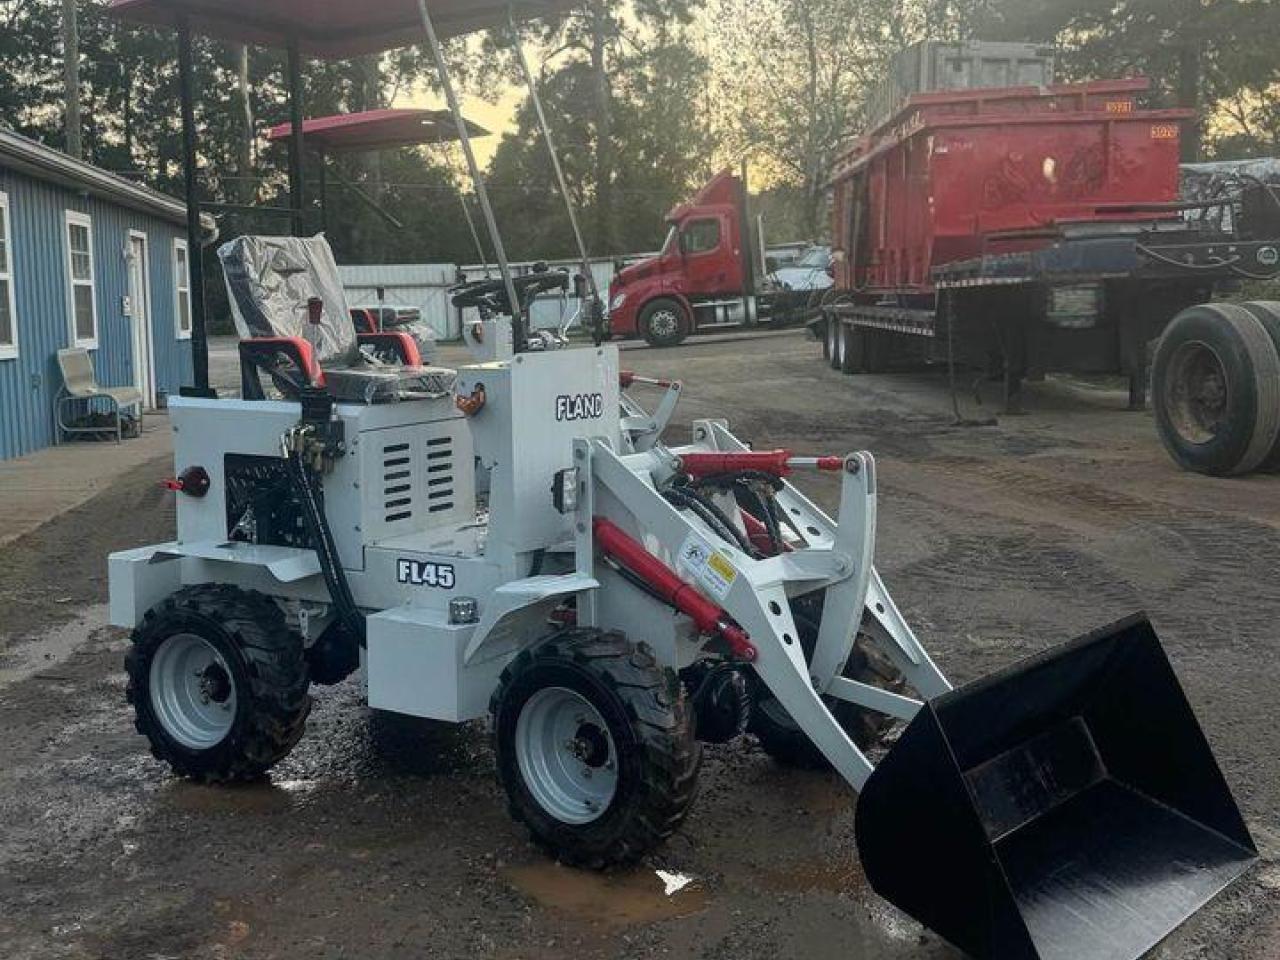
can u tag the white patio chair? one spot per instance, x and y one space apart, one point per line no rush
80 383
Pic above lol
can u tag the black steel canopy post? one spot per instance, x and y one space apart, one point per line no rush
195 249
482 193
296 172
587 275
322 161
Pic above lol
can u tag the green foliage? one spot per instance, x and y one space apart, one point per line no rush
1216 55
623 99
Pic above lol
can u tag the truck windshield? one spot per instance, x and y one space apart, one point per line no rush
669 244
818 258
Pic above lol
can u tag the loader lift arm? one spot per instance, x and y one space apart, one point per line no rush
755 593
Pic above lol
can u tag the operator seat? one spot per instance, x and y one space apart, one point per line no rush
287 301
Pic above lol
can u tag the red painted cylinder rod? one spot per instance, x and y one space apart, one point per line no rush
708 617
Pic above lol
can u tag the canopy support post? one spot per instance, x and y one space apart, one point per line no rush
195 239
587 275
296 174
322 161
482 193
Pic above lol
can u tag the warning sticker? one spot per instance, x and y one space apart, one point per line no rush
712 570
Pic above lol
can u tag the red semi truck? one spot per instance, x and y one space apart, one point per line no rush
1025 229
709 272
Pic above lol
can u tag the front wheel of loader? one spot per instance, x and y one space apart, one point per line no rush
781 737
218 683
595 747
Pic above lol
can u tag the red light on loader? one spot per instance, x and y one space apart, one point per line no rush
193 481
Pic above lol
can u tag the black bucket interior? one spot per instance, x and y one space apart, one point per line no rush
1068 807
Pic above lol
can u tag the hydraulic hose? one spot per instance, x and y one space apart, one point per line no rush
335 577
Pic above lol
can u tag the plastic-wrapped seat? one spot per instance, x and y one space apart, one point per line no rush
294 323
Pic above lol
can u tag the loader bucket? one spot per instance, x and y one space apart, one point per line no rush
1068 807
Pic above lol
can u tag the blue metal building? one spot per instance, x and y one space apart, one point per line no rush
87 259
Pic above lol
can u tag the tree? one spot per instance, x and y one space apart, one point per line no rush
1216 56
793 75
624 94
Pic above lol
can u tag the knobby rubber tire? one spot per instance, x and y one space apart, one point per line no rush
268 667
651 724
784 741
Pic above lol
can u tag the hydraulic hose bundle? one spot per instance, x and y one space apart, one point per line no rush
297 446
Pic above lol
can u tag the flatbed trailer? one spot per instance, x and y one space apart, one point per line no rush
1024 230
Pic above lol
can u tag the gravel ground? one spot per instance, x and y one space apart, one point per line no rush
379 838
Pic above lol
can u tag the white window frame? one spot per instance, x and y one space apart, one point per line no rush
75 218
9 351
179 289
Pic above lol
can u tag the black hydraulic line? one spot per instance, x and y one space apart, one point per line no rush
636 581
195 239
750 485
335 577
710 514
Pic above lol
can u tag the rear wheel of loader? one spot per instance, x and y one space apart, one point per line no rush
1216 390
595 747
218 683
781 737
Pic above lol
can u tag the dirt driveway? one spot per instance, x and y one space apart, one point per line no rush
380 839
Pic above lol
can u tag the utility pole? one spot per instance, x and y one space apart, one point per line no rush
71 76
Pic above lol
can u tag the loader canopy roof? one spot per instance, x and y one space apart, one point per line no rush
377 129
330 29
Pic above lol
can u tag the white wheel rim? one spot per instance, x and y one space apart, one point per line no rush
664 324
193 692
566 755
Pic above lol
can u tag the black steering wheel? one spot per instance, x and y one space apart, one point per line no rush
489 296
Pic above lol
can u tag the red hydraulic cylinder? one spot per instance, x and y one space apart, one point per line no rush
709 618
779 463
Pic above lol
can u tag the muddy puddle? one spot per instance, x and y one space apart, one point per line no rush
279 796
841 877
25 658
609 900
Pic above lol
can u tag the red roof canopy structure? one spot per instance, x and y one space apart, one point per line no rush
377 129
330 29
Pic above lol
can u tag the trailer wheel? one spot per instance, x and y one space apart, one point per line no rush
218 683
1216 390
595 747
781 737
852 350
1267 313
835 341
663 323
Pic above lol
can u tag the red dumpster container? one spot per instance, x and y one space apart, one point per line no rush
953 173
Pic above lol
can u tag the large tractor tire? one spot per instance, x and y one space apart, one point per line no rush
218 683
663 323
1216 389
595 747
781 737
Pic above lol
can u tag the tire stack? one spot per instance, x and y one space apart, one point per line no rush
1216 388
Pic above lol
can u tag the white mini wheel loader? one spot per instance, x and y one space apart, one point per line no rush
611 602
516 539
